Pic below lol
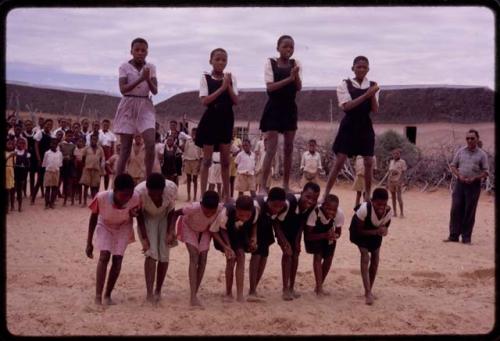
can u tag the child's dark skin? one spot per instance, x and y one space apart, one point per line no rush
93 190
77 187
120 198
12 191
51 192
369 265
67 182
193 178
247 148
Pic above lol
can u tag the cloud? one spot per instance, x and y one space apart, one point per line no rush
405 45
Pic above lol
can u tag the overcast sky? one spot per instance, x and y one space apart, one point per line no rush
82 48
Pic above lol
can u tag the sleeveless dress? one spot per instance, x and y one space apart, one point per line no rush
355 135
371 243
239 236
321 246
280 112
216 124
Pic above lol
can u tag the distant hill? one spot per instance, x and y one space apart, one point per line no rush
405 104
398 104
59 101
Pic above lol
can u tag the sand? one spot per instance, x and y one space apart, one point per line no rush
424 286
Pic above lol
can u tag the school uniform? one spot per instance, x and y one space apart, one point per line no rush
321 224
135 113
245 177
395 181
43 140
30 148
280 112
216 124
78 168
368 218
355 135
107 141
52 161
191 157
136 167
21 167
239 232
67 150
310 165
91 174
214 172
169 167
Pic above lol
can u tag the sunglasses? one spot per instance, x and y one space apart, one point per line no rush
470 138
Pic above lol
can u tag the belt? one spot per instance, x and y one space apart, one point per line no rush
135 96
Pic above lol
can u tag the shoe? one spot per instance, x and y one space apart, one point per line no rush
450 240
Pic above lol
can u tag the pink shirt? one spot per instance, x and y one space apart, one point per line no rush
110 216
197 221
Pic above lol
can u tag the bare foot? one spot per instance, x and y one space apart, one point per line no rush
295 294
287 295
108 301
195 302
369 299
402 215
98 301
320 292
157 297
228 298
254 297
188 199
150 298
395 214
240 299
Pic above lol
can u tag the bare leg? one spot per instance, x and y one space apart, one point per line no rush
193 273
205 165
195 186
293 274
53 195
161 273
100 277
271 143
211 187
358 198
262 266
318 274
289 137
219 186
365 260
93 191
231 184
400 200
47 197
149 144
332 177
12 193
149 274
114 272
374 266
188 185
393 197
253 270
85 192
126 147
240 274
225 162
202 262
368 161
286 265
325 267
230 263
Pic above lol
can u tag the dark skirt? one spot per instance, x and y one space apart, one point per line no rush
265 237
320 247
239 239
355 137
279 116
67 169
20 174
215 127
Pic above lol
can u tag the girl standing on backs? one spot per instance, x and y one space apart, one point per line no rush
218 92
283 79
136 113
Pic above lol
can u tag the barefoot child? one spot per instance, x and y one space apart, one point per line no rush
367 228
52 162
218 92
107 140
43 140
239 231
357 97
92 159
78 169
310 164
283 77
111 219
397 167
136 113
245 177
191 156
195 229
21 169
67 148
10 157
214 174
322 230
135 163
169 165
158 201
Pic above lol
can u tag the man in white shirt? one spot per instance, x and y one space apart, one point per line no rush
310 165
245 173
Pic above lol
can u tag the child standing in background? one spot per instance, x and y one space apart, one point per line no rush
136 113
169 164
135 164
92 159
397 167
357 97
52 162
359 180
21 168
107 140
218 92
78 170
283 77
368 227
191 155
111 164
67 148
214 173
245 161
310 164
233 172
323 228
111 219
10 157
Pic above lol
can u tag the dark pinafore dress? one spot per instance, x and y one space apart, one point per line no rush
321 246
371 243
280 112
239 237
355 135
216 124
21 168
31 149
265 234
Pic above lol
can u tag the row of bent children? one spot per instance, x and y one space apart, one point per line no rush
245 226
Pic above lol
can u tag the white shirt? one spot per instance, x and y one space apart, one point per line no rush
338 221
191 150
216 157
223 220
168 203
268 70
38 135
280 216
259 148
398 167
52 161
54 132
129 72
182 136
359 165
343 94
245 162
362 212
204 85
311 162
106 138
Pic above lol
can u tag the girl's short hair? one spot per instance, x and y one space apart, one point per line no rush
359 58
475 132
332 199
380 194
139 40
123 182
210 200
219 49
283 37
155 181
244 203
276 194
312 186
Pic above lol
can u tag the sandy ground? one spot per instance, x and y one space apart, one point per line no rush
424 286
